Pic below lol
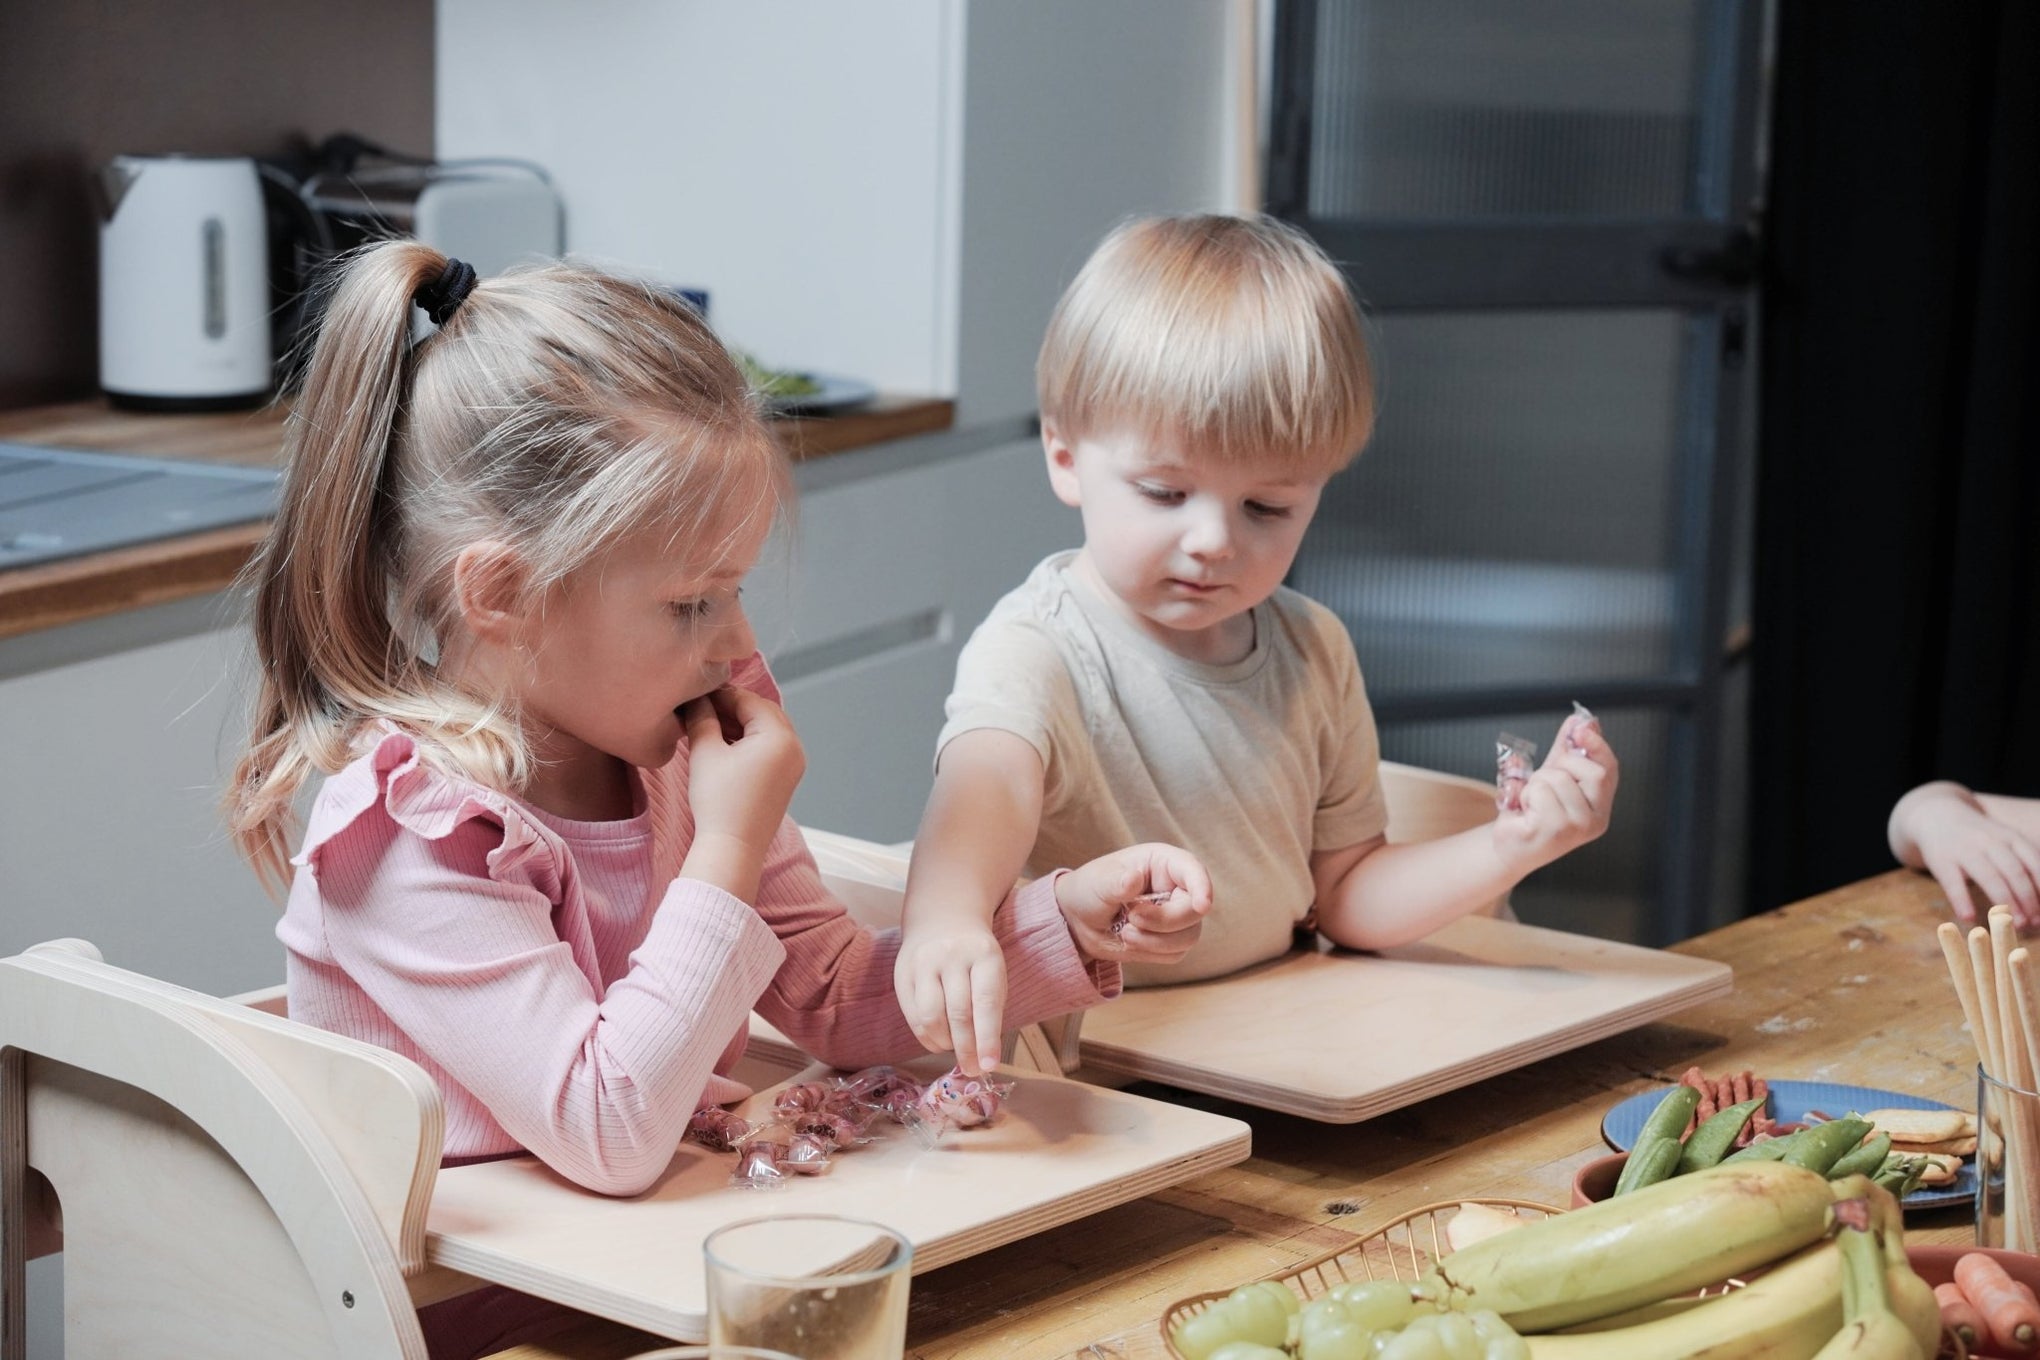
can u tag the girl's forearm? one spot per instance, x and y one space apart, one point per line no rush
1400 893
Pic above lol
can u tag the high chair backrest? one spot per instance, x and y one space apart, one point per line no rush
1426 804
229 1183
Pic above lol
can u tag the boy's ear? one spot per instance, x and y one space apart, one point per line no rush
1062 466
489 590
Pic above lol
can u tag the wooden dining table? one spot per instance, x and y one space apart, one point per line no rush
1848 987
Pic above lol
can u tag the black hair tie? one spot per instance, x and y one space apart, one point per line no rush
442 297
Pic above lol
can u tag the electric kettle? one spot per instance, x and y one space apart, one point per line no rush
183 283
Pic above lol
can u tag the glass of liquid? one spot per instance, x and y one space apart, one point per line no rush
817 1286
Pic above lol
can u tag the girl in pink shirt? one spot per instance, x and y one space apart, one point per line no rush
551 862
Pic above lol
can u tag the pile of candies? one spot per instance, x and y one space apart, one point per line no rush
814 1120
1515 757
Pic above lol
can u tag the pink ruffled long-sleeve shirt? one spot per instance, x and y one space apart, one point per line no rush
569 993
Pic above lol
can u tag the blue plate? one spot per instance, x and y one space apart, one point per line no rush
1790 1102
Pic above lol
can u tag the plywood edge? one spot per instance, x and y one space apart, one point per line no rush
1711 981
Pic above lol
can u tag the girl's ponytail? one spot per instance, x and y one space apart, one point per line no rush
322 577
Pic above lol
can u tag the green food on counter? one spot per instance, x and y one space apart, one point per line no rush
775 382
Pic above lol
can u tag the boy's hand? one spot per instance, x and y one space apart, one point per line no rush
951 982
1567 801
1143 904
1959 843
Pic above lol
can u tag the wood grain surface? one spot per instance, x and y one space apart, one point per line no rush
1847 987
56 593
1479 997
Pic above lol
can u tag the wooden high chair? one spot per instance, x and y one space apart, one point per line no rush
222 1181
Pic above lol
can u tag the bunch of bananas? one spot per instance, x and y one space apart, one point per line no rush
1614 1281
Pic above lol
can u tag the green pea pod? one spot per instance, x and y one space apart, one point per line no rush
1766 1149
1821 1146
1712 1140
1894 1174
1672 1114
1865 1160
1650 1161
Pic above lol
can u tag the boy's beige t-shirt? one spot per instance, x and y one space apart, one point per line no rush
1250 766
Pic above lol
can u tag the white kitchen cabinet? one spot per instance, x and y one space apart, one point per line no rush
862 622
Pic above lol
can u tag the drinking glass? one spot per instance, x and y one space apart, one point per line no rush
819 1286
712 1352
2007 1164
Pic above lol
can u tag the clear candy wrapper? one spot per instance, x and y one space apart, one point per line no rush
802 1099
1583 717
1515 758
835 1129
759 1165
718 1129
806 1155
956 1101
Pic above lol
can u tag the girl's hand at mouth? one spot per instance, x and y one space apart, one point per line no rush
744 762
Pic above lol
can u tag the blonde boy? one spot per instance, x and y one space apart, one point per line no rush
1201 380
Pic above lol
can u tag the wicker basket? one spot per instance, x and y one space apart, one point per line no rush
1401 1249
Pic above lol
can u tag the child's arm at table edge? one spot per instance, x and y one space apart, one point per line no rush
975 836
1375 895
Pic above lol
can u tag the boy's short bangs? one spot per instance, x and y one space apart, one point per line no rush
1234 335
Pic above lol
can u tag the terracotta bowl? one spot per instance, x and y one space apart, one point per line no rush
1936 1264
1596 1180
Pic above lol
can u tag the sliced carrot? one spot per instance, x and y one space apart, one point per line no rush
2008 1308
1959 1315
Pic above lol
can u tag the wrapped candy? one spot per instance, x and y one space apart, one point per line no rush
800 1099
759 1165
835 1130
884 1090
807 1155
1583 718
957 1100
718 1129
1514 759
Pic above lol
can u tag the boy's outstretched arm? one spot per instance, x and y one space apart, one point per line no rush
976 833
1376 896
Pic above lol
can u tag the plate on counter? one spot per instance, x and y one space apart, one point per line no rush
1791 1102
831 394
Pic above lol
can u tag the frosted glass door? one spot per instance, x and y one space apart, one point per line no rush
1543 205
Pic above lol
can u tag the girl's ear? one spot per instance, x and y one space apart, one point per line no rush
489 580
1062 465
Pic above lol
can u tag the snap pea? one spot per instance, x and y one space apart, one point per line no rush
1864 1160
1901 1175
1716 1135
1672 1114
1821 1146
1652 1159
1765 1150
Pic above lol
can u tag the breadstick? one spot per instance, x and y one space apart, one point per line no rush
1984 972
1962 973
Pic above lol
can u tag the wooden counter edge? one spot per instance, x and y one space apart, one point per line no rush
74 590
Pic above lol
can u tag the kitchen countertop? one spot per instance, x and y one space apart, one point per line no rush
75 589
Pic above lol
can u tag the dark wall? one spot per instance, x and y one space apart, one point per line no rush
83 80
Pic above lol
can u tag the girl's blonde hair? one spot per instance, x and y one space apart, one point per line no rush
1235 335
557 411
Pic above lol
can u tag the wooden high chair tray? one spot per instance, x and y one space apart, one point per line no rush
1061 1150
1340 1037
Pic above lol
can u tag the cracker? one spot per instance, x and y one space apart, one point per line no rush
1923 1126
